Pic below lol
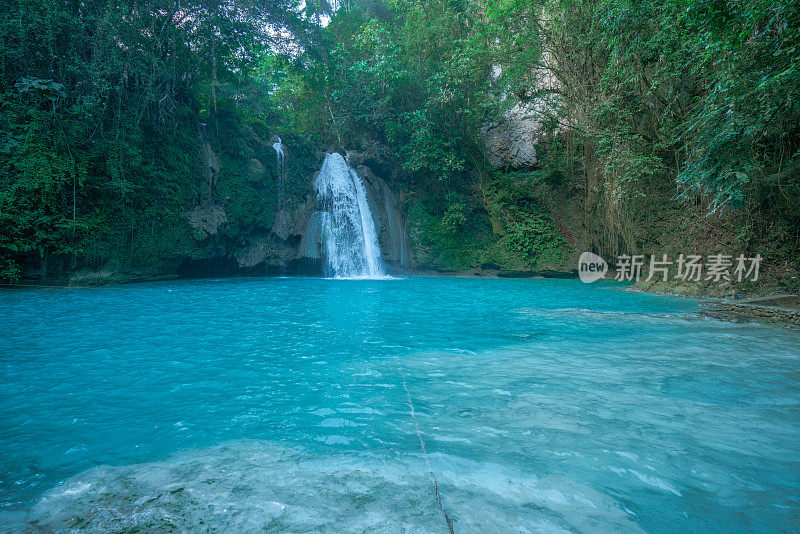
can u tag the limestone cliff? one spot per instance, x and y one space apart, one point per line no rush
511 140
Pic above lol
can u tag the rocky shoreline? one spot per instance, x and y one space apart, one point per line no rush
782 308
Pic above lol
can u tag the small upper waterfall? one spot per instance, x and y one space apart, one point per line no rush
281 226
348 230
278 146
280 159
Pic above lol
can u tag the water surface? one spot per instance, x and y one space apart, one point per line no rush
286 404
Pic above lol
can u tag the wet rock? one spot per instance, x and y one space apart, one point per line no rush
206 220
756 309
390 220
283 224
311 242
255 170
210 162
254 254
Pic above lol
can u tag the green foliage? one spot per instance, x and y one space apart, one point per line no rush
534 238
455 216
104 110
527 228
510 228
698 97
410 83
743 130
456 239
659 113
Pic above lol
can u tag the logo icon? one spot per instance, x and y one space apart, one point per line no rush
591 267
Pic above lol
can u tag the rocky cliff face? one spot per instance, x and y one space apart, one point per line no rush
390 219
511 140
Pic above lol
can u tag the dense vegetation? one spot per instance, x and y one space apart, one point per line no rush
110 114
665 127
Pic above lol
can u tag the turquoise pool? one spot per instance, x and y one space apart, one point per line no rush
286 405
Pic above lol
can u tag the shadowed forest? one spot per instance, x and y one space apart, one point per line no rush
136 138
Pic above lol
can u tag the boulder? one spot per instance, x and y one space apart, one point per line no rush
205 220
254 254
511 141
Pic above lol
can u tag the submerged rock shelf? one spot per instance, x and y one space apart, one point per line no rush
779 308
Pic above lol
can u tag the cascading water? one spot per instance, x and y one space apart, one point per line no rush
282 221
348 230
280 160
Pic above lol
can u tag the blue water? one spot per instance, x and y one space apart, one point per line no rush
286 405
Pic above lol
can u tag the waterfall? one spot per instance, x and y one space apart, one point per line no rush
280 159
281 226
348 230
278 146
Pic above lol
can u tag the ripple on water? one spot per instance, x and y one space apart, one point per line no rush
545 405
